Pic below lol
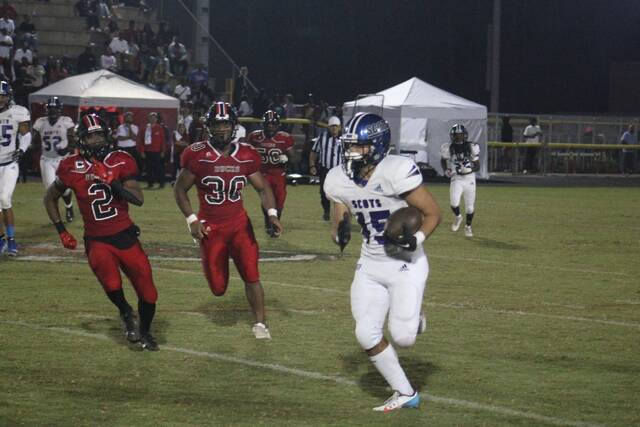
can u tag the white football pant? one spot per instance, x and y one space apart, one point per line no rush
395 287
48 168
463 186
8 180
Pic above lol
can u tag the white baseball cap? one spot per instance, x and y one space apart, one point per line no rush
334 121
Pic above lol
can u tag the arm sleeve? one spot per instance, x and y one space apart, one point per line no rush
444 151
475 152
405 176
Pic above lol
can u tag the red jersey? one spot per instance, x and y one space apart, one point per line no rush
103 214
271 149
220 179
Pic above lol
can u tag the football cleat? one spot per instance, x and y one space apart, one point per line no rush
12 247
456 223
422 326
468 232
3 246
261 332
69 214
399 401
130 326
148 342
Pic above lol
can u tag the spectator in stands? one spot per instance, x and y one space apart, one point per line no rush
6 44
154 141
182 91
87 61
160 78
164 35
178 57
629 156
130 34
198 77
245 109
22 52
103 10
8 24
185 116
93 15
180 141
196 127
67 65
127 138
148 38
56 72
82 8
26 32
112 26
38 74
108 61
8 10
532 133
260 104
120 47
21 82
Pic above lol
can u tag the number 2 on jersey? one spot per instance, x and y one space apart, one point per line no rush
100 205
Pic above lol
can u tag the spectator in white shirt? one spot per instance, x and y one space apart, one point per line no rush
22 52
108 61
245 110
118 45
182 91
8 24
532 133
127 136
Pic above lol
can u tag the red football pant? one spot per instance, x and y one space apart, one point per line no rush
233 239
278 184
106 261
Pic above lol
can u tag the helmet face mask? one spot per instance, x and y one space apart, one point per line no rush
458 134
270 123
366 141
92 135
6 94
220 122
54 108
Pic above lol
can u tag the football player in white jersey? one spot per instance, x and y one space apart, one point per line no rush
390 275
15 139
460 159
56 134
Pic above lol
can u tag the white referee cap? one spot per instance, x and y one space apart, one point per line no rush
334 121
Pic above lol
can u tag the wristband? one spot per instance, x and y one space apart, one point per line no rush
272 212
191 219
59 227
420 237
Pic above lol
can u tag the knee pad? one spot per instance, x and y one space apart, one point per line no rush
367 335
404 340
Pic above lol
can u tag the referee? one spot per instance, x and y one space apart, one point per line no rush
326 153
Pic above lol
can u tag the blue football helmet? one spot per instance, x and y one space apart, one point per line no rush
364 129
54 108
5 90
458 134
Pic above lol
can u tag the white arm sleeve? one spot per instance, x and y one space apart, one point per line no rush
444 151
475 152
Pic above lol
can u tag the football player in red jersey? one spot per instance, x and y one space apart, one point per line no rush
274 147
220 170
104 183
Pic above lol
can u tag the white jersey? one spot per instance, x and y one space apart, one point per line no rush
10 120
54 136
376 201
460 158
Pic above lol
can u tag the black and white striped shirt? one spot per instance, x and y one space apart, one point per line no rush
329 150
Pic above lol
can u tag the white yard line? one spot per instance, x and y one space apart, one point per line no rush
466 404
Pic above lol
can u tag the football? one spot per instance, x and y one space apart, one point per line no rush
410 216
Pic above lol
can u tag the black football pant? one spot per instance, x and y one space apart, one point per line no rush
322 172
155 168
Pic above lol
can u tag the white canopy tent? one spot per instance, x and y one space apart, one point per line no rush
102 88
420 116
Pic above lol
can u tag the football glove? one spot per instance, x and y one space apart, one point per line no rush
448 173
406 240
101 172
464 170
283 158
344 232
17 155
68 241
63 151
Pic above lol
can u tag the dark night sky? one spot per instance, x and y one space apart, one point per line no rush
556 55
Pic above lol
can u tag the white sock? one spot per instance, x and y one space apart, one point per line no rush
387 363
70 205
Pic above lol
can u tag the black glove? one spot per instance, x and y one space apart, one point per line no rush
344 232
17 155
405 241
120 192
62 151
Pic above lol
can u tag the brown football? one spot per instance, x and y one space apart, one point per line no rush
410 216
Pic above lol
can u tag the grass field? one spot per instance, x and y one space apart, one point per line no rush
536 321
